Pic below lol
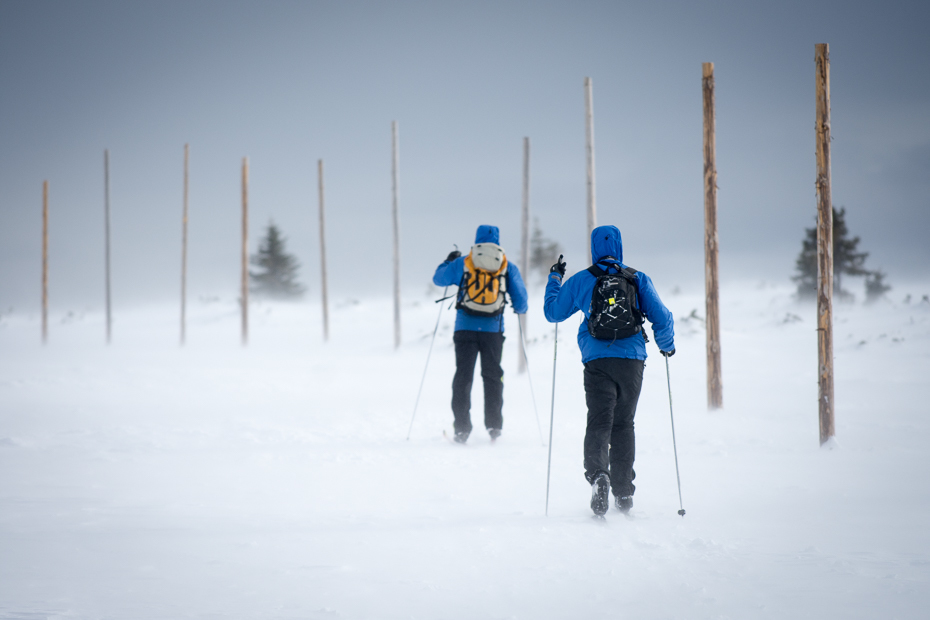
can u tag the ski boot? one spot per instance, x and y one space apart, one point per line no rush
461 436
624 503
600 494
494 433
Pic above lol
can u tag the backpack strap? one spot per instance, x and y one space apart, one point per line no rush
597 272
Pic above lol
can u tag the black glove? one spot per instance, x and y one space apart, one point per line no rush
559 267
453 255
668 353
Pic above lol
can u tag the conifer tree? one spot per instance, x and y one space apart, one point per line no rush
277 277
846 259
875 286
543 252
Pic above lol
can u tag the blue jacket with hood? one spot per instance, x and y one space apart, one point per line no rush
450 273
562 301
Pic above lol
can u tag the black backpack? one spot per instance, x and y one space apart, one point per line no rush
615 312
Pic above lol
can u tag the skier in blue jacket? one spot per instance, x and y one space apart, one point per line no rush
613 369
484 278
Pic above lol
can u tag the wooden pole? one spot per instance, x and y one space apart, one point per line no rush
589 149
245 251
824 246
44 262
711 277
184 251
323 254
396 226
524 241
106 217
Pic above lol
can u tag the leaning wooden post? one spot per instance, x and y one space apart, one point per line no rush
323 254
184 253
396 226
711 277
824 246
44 262
589 149
106 228
524 242
245 251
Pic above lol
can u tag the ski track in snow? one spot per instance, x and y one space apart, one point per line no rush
143 480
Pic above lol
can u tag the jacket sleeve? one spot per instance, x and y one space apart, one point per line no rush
516 289
449 273
560 300
663 324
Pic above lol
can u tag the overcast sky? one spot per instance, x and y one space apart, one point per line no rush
287 83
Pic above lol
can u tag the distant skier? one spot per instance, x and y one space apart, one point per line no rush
485 279
614 299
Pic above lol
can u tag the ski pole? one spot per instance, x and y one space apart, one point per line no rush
555 355
428 354
530 377
674 447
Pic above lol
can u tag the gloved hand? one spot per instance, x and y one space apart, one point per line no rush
668 353
453 255
559 267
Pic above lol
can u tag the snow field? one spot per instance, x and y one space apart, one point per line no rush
143 480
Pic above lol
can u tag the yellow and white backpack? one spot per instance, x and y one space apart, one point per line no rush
484 281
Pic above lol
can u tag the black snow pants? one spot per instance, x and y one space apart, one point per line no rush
612 386
468 344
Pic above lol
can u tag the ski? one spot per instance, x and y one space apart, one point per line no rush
451 439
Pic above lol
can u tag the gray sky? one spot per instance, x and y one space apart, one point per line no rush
286 83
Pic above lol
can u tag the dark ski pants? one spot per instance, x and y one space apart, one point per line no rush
468 344
612 386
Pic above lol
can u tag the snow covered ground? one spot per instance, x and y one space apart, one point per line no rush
143 480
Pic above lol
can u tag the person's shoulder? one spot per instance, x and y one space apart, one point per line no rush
580 278
585 273
636 272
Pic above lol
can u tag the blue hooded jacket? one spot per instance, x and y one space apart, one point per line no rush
450 273
562 301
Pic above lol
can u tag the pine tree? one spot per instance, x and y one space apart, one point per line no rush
278 275
875 286
543 252
846 259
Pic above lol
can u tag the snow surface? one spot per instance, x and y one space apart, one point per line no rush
143 480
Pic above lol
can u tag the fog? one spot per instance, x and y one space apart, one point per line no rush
286 84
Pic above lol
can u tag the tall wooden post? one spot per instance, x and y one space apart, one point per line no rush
711 278
824 245
106 228
184 252
44 262
524 243
245 251
589 149
323 288
395 219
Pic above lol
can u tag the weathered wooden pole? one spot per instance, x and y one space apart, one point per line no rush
323 288
711 277
824 245
106 228
184 252
524 242
245 251
395 219
589 149
44 262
